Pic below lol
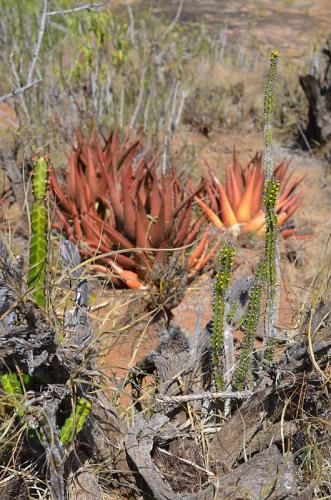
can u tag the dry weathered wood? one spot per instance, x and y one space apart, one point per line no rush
180 366
105 434
267 403
268 475
271 434
319 115
28 343
138 445
83 485
317 88
11 157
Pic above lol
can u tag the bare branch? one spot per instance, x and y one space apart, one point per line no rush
42 25
41 32
206 395
131 18
140 96
174 22
90 6
19 91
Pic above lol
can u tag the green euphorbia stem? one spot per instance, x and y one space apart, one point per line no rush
222 283
38 242
251 324
271 191
269 99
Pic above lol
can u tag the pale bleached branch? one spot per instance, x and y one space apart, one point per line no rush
174 22
19 91
205 395
89 6
41 31
131 27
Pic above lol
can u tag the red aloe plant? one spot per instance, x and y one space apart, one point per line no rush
238 204
113 198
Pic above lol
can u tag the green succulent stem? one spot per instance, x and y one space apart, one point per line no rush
267 272
272 260
222 282
38 241
269 100
271 192
251 324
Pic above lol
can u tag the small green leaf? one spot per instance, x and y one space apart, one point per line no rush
11 383
75 422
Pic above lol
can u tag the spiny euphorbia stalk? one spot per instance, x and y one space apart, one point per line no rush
271 190
269 99
251 324
272 262
38 242
222 283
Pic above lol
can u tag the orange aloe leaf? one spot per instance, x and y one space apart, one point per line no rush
282 217
190 197
288 203
91 173
237 170
257 195
127 155
90 200
228 184
209 213
155 199
294 208
254 224
235 190
129 209
212 197
114 235
244 209
281 170
142 227
65 224
194 232
228 217
183 225
130 278
287 192
72 181
58 191
77 227
157 232
143 193
287 233
198 249
206 256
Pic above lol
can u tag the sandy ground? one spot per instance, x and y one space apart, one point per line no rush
287 25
